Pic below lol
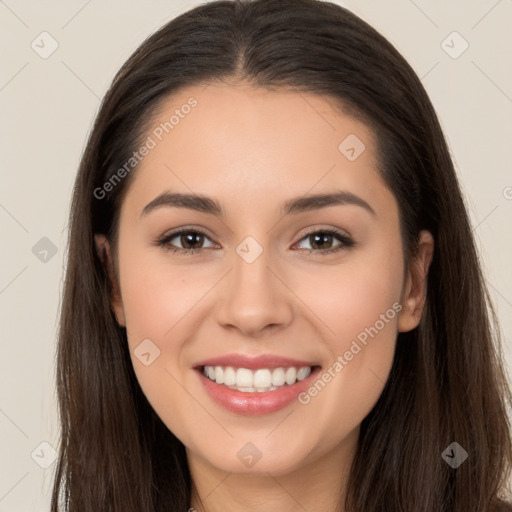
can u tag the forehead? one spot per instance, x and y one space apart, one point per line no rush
239 142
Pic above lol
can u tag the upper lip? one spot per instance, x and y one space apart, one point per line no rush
254 362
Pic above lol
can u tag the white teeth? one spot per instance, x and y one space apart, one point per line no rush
219 375
260 380
303 373
243 377
278 377
229 376
291 376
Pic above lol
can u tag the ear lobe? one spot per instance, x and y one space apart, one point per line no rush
415 287
105 255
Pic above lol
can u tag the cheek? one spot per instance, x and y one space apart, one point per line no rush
154 302
353 296
157 303
157 296
360 305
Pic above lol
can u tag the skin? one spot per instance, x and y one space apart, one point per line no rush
253 149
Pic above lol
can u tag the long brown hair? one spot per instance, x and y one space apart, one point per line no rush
447 383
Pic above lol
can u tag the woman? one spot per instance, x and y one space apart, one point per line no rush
207 359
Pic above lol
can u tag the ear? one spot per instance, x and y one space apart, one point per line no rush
414 292
105 255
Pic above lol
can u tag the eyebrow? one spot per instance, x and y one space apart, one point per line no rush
297 205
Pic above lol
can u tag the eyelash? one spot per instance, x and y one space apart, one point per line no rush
346 242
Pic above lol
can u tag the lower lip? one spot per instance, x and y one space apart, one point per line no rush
257 403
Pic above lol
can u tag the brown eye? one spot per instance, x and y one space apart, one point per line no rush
191 241
321 241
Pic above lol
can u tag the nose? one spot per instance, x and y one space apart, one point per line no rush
254 298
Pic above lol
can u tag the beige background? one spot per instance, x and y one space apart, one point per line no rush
48 105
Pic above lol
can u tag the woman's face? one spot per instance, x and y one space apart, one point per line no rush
270 290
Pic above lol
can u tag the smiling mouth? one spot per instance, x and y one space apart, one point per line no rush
258 380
